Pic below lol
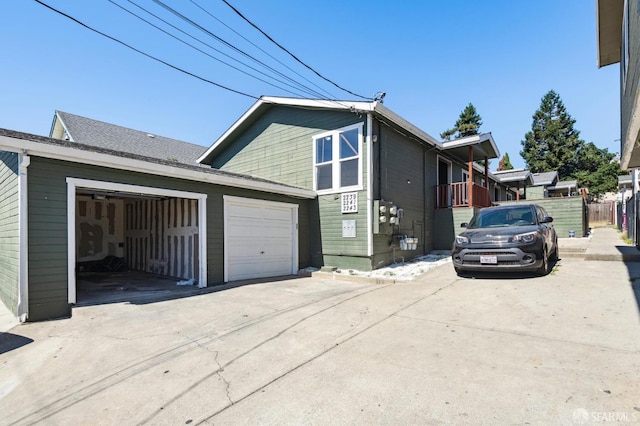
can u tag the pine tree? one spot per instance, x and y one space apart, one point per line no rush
505 163
467 124
553 143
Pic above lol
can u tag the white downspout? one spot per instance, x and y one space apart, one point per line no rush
23 227
369 186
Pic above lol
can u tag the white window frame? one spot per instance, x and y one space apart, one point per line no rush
335 161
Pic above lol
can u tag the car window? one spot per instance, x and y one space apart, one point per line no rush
492 218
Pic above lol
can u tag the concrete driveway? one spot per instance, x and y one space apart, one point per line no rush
561 349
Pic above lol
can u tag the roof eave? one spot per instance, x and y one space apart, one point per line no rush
609 31
55 149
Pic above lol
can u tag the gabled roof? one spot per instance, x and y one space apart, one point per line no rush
75 128
266 102
609 30
545 178
482 145
563 184
60 149
514 175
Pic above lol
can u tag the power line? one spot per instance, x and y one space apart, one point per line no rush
261 49
291 54
226 43
143 53
200 50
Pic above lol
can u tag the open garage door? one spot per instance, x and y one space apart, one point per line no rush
118 227
261 238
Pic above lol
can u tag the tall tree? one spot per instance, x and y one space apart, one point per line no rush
467 124
505 163
552 143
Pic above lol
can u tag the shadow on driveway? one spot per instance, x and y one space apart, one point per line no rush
10 341
631 259
141 288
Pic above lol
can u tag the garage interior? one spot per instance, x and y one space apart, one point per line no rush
134 245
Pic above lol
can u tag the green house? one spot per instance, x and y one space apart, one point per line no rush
386 190
66 202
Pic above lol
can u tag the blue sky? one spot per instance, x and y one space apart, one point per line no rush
430 57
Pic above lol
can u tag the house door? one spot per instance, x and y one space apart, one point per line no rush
443 190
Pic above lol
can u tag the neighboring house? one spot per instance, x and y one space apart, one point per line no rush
618 37
63 202
379 179
82 130
517 180
540 182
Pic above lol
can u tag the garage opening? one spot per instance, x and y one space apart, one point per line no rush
128 240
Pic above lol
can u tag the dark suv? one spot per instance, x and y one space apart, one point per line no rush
511 237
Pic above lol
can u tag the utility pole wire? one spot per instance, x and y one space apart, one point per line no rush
202 51
329 95
145 54
226 43
291 54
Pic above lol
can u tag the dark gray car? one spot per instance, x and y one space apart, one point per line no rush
512 237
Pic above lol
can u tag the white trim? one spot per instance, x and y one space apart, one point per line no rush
362 107
23 234
369 142
335 160
472 140
254 202
74 183
59 152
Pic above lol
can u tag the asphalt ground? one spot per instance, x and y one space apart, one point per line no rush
494 349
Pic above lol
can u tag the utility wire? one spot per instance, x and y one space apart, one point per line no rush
202 51
145 54
221 40
329 95
291 54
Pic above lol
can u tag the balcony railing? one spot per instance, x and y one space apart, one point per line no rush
457 195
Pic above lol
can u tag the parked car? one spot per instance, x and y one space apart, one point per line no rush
510 237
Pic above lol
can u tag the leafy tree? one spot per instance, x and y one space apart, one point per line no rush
505 163
599 170
467 124
552 143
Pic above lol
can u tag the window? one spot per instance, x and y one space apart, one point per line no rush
338 160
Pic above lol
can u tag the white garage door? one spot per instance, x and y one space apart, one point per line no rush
261 238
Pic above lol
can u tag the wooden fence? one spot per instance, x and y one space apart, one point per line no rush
603 213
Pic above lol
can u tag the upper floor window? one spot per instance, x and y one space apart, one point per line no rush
337 160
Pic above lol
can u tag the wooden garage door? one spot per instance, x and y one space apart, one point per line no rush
260 239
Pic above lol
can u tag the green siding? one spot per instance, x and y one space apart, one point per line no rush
448 225
279 146
48 226
9 230
569 214
535 192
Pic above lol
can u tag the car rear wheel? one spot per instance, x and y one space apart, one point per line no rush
544 268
